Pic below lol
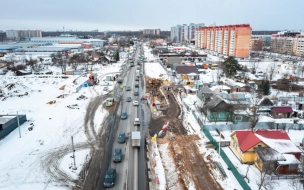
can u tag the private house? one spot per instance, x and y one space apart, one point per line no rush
238 86
281 111
205 94
264 105
222 106
245 143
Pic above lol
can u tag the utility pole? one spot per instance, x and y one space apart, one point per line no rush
18 125
73 153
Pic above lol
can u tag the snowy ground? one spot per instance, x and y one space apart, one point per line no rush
25 164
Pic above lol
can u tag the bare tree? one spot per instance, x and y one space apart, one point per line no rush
270 70
255 66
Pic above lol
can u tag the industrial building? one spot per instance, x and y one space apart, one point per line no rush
69 40
43 50
231 40
8 123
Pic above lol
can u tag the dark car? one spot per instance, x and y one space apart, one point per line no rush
129 99
121 138
128 88
123 115
110 177
117 156
136 85
136 79
136 93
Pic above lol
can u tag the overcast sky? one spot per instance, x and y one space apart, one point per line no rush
142 14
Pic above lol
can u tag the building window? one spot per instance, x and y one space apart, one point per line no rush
238 118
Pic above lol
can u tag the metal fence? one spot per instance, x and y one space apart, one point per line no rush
236 174
278 177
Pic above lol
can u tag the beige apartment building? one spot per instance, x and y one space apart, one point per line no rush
231 40
290 43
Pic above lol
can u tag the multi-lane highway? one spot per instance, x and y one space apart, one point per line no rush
128 170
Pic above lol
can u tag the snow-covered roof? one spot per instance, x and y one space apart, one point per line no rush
289 159
280 145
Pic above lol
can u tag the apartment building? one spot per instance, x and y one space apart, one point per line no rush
151 32
231 40
184 33
18 34
291 43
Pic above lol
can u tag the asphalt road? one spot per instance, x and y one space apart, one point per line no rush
129 174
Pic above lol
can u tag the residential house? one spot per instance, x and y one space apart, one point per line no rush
264 105
266 159
221 107
245 143
281 111
238 86
205 94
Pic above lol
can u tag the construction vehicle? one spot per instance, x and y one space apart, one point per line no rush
167 82
189 83
135 138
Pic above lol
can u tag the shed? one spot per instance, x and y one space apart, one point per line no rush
281 111
23 72
8 123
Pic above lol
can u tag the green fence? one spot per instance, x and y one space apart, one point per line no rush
236 174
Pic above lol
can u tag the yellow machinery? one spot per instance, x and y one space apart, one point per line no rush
189 83
167 82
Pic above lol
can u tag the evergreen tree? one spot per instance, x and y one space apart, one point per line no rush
231 65
264 87
117 56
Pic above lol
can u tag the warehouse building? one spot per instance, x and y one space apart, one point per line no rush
8 123
43 50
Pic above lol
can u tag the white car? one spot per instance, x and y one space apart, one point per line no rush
135 103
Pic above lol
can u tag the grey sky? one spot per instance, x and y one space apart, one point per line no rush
140 14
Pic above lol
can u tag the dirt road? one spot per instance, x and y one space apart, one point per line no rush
171 115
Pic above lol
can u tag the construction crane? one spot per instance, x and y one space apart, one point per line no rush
189 83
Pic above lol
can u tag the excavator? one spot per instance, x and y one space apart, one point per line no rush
189 83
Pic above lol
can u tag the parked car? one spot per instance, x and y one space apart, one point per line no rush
124 115
129 99
121 138
105 88
128 88
109 180
117 156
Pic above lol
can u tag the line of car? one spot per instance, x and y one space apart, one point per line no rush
110 177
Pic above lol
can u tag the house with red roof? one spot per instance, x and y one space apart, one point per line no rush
281 111
244 143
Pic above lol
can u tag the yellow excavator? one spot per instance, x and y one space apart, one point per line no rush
189 83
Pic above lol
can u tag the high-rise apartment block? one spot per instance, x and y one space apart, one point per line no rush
184 33
291 43
151 32
231 40
18 34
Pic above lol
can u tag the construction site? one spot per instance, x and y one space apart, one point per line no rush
167 124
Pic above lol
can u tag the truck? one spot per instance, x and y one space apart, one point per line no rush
119 80
135 137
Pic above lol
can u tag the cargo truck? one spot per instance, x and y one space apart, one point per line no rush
135 137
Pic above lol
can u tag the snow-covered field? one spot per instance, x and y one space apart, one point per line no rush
29 162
